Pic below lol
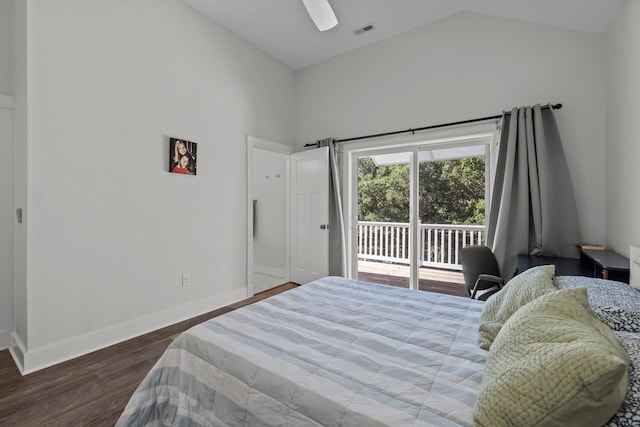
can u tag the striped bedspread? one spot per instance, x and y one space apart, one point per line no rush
335 352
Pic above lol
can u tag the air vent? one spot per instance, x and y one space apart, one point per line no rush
364 29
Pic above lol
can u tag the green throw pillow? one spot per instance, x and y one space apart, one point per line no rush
553 364
524 287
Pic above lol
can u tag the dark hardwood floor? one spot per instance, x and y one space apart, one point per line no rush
91 390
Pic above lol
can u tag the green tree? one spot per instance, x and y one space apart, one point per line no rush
383 192
451 191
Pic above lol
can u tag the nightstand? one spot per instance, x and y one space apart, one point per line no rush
606 263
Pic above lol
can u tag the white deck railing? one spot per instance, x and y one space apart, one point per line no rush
440 244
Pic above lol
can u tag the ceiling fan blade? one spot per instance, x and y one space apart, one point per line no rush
321 13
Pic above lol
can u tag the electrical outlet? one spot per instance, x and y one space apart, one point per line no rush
186 279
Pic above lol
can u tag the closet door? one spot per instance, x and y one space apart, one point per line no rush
309 215
267 214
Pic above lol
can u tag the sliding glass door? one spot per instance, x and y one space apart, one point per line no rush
413 207
383 218
452 193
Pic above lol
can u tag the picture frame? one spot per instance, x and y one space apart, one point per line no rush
183 156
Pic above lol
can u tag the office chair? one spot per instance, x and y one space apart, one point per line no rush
481 272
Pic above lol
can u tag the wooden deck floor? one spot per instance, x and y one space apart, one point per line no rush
431 279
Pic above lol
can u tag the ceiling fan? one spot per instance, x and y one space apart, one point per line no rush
321 13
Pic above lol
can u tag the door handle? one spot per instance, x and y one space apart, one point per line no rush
324 226
255 203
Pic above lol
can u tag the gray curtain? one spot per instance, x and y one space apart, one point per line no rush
533 208
337 236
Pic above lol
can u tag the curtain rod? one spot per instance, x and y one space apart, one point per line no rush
481 119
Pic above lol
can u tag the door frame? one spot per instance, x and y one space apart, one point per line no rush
476 134
263 144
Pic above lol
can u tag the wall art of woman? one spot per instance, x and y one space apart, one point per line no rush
182 156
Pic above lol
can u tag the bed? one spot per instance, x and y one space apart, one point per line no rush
335 352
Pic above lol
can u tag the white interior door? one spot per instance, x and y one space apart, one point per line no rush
309 215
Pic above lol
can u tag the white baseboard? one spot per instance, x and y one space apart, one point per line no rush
17 350
33 360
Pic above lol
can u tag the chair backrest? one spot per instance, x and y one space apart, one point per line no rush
477 260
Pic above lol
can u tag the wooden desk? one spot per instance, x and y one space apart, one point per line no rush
612 265
564 266
592 263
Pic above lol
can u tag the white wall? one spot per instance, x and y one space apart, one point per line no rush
6 63
464 67
623 130
270 190
110 230
6 221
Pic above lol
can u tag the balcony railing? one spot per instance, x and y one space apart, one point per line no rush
440 244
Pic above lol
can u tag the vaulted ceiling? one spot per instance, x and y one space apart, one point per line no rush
283 29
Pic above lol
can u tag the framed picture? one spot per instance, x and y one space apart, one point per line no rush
183 156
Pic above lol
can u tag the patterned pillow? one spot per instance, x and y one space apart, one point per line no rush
628 414
525 287
614 303
553 364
